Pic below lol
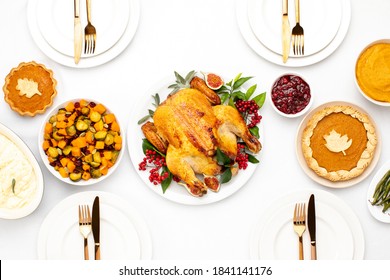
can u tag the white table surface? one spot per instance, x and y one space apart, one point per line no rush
204 35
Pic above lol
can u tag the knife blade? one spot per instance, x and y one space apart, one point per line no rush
96 226
78 32
311 218
286 31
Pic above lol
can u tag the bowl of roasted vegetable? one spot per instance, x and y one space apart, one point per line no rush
81 142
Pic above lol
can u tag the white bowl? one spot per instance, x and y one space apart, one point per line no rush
44 157
35 200
300 113
381 103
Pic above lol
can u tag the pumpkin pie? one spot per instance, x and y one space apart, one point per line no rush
339 142
30 88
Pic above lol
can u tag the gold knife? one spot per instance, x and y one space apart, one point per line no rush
286 31
96 226
311 219
78 32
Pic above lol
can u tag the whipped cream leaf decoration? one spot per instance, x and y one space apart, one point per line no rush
27 87
337 143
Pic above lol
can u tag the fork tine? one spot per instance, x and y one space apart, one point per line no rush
300 213
83 214
299 45
89 44
303 213
89 215
295 213
94 43
293 43
80 215
85 44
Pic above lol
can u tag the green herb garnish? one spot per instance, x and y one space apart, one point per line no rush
231 92
13 185
150 114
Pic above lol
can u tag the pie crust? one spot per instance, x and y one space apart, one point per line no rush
30 88
333 164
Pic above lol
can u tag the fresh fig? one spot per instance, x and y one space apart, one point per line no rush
213 81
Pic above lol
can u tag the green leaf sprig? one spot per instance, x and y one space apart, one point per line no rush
232 91
150 114
225 161
146 145
182 82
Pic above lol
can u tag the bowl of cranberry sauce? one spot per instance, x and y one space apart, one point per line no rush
291 95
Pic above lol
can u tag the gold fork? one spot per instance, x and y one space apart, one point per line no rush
297 33
299 222
89 32
85 225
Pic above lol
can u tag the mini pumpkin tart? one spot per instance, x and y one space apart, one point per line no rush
30 88
338 142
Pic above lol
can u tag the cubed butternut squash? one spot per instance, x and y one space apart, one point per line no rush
109 118
63 172
104 170
79 142
69 107
61 117
64 161
61 144
107 155
45 145
86 167
54 143
99 126
76 151
48 128
83 103
99 145
61 124
86 175
118 139
62 131
100 108
71 166
115 126
89 137
118 146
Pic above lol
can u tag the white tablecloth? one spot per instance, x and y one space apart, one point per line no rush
184 35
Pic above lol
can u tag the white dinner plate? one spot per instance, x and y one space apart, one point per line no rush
176 192
59 46
55 20
320 19
338 231
376 211
325 182
270 55
123 232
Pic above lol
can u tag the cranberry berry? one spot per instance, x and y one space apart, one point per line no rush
290 94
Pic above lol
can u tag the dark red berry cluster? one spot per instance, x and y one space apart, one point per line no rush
242 157
152 158
250 111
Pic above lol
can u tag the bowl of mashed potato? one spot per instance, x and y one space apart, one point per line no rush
21 179
372 72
